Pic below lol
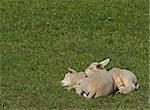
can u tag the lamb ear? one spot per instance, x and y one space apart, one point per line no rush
104 62
71 70
99 66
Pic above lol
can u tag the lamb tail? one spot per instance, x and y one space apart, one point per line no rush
137 85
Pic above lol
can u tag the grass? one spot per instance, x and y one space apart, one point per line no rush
41 38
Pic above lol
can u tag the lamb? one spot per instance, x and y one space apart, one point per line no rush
125 80
95 67
99 84
72 79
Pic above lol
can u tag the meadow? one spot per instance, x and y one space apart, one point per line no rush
39 39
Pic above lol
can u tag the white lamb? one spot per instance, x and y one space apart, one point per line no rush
125 80
72 79
96 66
99 84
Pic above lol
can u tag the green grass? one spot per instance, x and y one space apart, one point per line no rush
41 38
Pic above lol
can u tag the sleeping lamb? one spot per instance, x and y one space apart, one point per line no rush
125 80
100 84
72 79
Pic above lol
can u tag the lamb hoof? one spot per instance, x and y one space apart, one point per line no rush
84 95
